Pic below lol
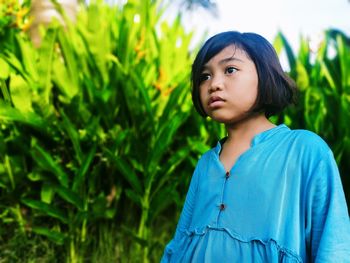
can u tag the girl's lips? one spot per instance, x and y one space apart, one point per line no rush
215 101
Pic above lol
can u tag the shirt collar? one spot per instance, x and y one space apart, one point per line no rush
260 137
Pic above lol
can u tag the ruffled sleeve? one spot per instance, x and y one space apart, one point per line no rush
327 219
180 238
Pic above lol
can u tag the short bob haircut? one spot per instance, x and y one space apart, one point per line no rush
275 89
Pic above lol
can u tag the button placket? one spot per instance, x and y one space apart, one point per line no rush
222 205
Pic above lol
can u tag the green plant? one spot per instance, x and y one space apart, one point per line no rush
323 105
89 123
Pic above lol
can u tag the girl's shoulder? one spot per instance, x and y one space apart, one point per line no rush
208 155
308 146
308 139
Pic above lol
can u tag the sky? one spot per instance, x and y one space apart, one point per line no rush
294 18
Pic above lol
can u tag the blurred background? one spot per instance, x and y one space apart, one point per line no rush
294 18
98 136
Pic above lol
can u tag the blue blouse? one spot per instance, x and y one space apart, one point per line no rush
282 201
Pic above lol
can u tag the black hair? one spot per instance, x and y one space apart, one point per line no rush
275 89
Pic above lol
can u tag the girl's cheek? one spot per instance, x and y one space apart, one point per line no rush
202 97
203 90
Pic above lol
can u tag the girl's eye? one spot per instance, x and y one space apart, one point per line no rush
204 77
230 70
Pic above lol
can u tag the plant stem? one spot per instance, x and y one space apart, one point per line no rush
17 211
73 258
83 227
9 171
143 230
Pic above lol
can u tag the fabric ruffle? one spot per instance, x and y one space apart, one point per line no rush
221 245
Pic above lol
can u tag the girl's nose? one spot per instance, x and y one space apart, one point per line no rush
215 85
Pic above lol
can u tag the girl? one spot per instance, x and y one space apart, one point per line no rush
265 193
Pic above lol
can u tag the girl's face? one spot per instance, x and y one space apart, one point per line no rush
229 85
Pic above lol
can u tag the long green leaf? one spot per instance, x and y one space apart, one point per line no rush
73 135
289 51
8 113
136 198
163 139
5 91
21 94
138 82
48 163
57 237
28 57
46 61
344 60
16 64
70 62
169 167
4 69
47 193
127 172
70 196
80 176
47 209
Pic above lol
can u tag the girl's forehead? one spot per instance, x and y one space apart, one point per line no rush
234 49
231 51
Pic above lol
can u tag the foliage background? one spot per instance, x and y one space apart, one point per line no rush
98 137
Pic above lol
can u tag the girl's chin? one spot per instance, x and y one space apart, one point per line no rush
230 120
224 120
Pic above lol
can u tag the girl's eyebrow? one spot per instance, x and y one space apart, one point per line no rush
224 61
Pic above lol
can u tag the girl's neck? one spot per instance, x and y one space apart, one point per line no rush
243 132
